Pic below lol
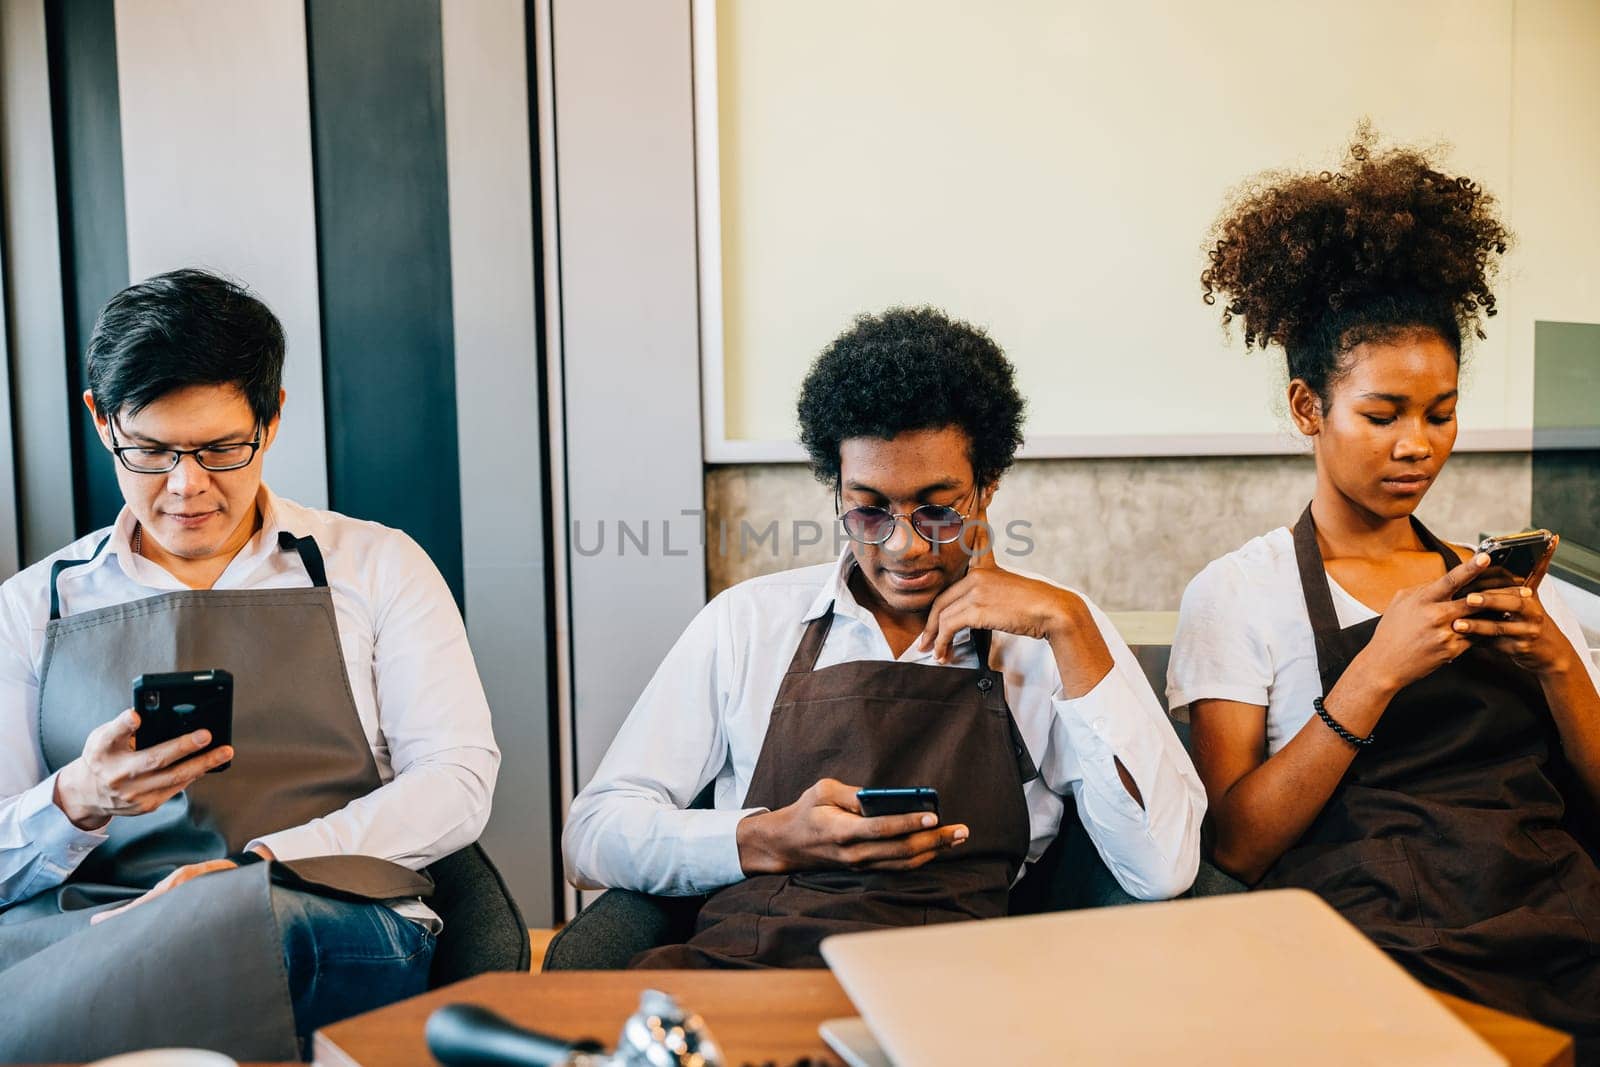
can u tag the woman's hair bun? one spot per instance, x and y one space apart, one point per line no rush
1316 262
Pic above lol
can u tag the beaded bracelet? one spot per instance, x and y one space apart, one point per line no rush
1346 735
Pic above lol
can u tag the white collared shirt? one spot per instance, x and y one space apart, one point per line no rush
704 716
411 673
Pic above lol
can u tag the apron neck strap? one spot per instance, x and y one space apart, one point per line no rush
310 556
980 645
62 564
1444 551
805 657
1314 577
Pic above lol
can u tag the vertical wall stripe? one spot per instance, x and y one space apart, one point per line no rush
216 161
542 106
383 250
501 425
94 231
9 529
36 328
630 336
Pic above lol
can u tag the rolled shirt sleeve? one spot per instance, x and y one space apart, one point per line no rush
1153 850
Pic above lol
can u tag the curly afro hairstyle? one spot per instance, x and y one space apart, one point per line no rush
1381 249
911 369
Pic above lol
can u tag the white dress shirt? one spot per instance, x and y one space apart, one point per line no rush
411 673
1244 635
704 718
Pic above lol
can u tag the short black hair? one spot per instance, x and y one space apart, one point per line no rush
185 327
1386 246
911 368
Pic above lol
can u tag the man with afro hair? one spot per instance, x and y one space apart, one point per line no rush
913 662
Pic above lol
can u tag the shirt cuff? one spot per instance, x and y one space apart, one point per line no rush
712 839
63 844
295 843
1107 724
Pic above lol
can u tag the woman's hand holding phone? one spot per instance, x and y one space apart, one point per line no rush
1512 622
1508 616
1420 630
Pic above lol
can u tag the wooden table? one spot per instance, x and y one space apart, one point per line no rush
758 1017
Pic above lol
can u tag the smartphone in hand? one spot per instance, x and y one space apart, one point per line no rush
1514 559
876 802
177 703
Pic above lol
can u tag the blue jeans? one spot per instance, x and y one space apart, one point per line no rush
345 958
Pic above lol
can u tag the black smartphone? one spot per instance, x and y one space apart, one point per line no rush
1514 559
875 802
181 702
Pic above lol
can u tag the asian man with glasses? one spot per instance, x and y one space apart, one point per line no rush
913 663
231 896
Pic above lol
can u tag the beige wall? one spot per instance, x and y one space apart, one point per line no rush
1129 533
1049 169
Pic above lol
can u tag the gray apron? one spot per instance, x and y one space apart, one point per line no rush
201 965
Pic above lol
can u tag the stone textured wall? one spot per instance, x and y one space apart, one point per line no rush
1128 532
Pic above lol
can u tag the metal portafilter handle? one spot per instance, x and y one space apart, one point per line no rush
659 1034
462 1035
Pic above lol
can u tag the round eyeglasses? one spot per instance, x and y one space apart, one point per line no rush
935 523
220 457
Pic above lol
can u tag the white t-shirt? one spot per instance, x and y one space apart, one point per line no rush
1244 635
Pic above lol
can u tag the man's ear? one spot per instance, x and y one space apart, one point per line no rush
269 433
102 424
1305 408
986 494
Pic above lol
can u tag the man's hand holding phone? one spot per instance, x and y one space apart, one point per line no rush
825 829
113 778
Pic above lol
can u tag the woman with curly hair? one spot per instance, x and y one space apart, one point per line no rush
1413 757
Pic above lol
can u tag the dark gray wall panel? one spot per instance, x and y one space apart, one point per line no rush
42 419
94 230
383 251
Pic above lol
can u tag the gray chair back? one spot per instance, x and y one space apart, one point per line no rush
483 927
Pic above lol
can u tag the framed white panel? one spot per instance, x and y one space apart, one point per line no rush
9 554
1049 170
216 157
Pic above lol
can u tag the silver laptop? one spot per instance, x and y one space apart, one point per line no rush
1254 978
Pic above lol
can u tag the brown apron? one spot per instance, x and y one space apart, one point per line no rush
202 965
1448 841
875 724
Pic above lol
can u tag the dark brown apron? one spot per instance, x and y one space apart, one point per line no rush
203 964
875 724
1448 841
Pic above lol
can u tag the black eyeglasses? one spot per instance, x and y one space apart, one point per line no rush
224 457
937 524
